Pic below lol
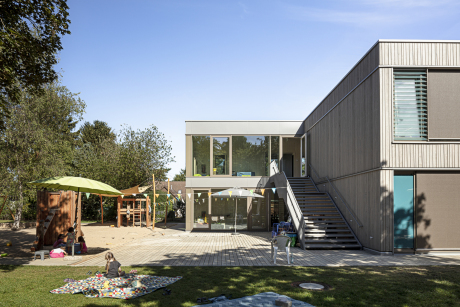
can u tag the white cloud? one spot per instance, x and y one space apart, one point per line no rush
375 12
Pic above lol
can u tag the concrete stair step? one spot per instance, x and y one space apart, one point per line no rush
332 246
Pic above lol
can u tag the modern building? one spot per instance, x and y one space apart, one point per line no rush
376 165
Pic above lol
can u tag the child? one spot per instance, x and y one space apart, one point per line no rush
83 247
59 242
70 240
113 267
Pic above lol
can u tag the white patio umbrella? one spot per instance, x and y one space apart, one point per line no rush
236 192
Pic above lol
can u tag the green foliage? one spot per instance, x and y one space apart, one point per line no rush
129 161
180 176
38 142
96 133
30 37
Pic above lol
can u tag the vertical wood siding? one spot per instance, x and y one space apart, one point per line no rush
406 155
362 69
420 54
346 141
369 198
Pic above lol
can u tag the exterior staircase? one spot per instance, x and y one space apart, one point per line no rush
325 227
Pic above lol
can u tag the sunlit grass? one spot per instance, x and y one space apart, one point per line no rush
351 286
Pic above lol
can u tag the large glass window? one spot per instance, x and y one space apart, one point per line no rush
201 151
302 149
223 212
275 150
410 108
221 155
201 205
250 156
259 218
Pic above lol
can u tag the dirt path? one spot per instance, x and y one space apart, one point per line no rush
98 238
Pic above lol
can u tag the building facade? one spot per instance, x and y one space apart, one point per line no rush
384 144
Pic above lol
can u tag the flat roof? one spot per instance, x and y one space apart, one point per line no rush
249 120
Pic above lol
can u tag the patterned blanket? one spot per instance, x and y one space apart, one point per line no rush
126 287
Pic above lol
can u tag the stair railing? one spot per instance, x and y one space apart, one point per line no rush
285 191
338 194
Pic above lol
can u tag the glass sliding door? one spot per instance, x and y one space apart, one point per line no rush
403 211
303 165
201 152
200 209
258 213
220 155
275 150
223 212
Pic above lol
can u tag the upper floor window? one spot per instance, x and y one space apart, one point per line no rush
201 153
410 107
250 155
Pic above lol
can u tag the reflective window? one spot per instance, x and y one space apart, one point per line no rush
258 211
302 148
275 150
200 212
410 106
201 151
250 156
221 153
223 212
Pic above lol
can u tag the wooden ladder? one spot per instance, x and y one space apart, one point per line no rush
137 214
48 221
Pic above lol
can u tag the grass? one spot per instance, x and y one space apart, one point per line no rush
352 286
6 221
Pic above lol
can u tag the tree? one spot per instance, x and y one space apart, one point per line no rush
38 141
128 161
141 153
30 37
96 133
180 176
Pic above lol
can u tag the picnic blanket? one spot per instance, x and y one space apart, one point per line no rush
126 287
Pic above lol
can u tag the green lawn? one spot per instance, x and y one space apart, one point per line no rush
352 286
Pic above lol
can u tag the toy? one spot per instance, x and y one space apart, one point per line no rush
133 272
4 255
9 243
137 284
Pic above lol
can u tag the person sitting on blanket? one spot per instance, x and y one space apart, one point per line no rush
59 242
113 267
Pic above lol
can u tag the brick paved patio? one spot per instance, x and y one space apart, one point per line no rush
174 247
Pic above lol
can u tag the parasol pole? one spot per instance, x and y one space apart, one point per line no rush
236 208
102 211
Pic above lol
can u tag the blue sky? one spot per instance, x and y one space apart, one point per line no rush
163 62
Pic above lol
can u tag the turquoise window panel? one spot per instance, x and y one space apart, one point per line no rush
403 211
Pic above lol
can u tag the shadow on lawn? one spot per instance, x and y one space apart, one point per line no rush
352 286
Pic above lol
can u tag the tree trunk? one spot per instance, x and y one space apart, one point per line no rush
18 213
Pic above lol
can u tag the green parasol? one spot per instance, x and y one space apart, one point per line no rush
77 184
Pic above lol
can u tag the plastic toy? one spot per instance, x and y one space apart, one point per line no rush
4 255
9 244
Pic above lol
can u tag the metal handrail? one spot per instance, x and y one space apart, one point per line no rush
293 206
338 194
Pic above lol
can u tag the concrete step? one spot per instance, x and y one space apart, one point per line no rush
335 241
332 246
327 230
